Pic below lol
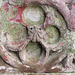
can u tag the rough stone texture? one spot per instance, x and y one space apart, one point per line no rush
16 2
31 12
73 17
15 39
0 3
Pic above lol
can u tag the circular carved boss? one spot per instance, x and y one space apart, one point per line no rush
40 44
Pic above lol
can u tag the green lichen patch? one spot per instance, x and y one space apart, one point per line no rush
66 41
60 23
53 34
34 51
57 19
17 2
72 36
16 31
12 12
1 3
33 15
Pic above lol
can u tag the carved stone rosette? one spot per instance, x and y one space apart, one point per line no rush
37 36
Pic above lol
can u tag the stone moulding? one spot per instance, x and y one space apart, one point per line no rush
37 36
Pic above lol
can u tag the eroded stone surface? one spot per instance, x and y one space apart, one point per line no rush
15 34
33 15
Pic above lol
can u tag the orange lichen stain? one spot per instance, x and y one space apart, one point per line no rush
15 43
33 61
6 6
47 35
62 44
18 17
5 58
51 34
18 34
